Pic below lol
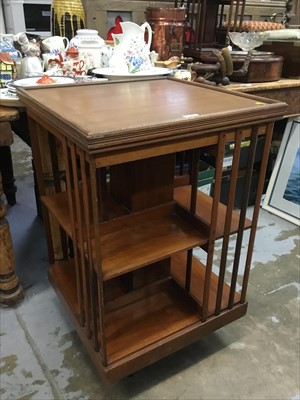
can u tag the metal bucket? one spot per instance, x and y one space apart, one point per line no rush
168 26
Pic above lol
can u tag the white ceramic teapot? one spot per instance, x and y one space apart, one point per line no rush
131 52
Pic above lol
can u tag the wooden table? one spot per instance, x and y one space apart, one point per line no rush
129 281
7 115
287 90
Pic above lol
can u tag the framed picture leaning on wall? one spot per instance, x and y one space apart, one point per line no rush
283 192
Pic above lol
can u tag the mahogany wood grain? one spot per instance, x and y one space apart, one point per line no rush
197 282
140 355
132 287
59 206
180 108
134 241
228 219
260 187
245 198
140 184
203 210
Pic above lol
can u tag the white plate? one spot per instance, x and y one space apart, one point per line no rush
112 73
7 98
32 82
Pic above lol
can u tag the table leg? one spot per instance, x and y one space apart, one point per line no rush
7 172
10 290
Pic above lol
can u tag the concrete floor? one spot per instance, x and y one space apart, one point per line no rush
256 357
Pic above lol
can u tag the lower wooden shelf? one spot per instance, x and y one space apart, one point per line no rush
145 330
197 282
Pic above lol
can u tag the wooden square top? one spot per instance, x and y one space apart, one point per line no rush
130 113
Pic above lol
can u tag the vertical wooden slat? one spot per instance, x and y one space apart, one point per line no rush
245 199
260 187
192 19
194 169
181 159
78 226
236 14
81 210
102 188
230 11
57 187
35 133
229 211
213 224
201 18
242 14
219 25
194 179
54 162
188 270
95 199
72 207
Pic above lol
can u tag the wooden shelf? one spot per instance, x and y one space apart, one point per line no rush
137 325
58 205
182 195
135 240
139 239
148 321
62 276
197 282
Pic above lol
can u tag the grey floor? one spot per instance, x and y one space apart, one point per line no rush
256 357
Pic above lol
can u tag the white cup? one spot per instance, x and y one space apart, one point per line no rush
56 44
183 74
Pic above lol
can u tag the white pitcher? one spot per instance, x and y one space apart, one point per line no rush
131 52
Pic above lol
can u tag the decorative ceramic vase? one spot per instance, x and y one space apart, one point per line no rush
67 16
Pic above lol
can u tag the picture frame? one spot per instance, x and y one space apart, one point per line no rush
283 192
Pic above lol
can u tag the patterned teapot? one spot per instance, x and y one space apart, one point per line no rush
131 52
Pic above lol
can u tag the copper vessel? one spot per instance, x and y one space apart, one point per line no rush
168 26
